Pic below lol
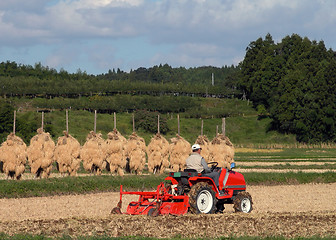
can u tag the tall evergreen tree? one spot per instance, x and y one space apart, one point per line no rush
295 81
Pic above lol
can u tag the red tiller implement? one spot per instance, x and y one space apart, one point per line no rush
155 203
189 190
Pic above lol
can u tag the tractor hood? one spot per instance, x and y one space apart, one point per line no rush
235 180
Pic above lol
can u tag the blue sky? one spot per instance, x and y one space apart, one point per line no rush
98 35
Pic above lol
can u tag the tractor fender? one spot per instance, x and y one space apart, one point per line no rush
197 179
173 180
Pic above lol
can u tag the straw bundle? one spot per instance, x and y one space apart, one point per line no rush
121 137
13 154
179 151
67 154
222 151
40 154
114 150
92 153
158 154
204 142
135 151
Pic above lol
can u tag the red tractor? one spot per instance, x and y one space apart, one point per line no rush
189 190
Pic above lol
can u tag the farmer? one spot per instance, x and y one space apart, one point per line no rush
197 162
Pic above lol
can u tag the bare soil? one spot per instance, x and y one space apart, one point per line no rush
290 211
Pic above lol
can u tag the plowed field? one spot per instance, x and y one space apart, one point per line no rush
289 210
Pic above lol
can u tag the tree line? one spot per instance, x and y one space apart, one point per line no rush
120 103
32 81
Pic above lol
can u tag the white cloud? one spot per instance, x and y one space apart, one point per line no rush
325 15
62 56
112 3
192 55
163 21
202 32
21 5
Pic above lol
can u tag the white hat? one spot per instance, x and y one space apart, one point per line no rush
195 147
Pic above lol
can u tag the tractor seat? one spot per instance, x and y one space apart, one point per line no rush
190 173
189 170
186 173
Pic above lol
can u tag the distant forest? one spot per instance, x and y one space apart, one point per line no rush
30 81
293 82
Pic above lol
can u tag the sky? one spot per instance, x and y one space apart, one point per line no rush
97 35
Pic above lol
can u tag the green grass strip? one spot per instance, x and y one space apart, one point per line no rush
272 178
254 159
75 185
290 166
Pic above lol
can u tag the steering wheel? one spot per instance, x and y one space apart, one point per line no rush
213 165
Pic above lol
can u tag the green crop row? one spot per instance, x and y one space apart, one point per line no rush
290 166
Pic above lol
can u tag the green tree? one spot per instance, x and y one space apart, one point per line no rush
6 119
148 121
295 81
26 126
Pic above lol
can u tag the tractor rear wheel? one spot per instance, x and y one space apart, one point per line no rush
243 202
202 198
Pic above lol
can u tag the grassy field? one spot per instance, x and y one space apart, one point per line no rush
82 122
289 166
242 124
286 154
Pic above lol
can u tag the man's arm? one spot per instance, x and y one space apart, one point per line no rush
205 166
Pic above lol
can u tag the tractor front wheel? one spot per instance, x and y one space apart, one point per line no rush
202 198
243 202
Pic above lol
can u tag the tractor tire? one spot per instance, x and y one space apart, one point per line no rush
202 199
243 202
